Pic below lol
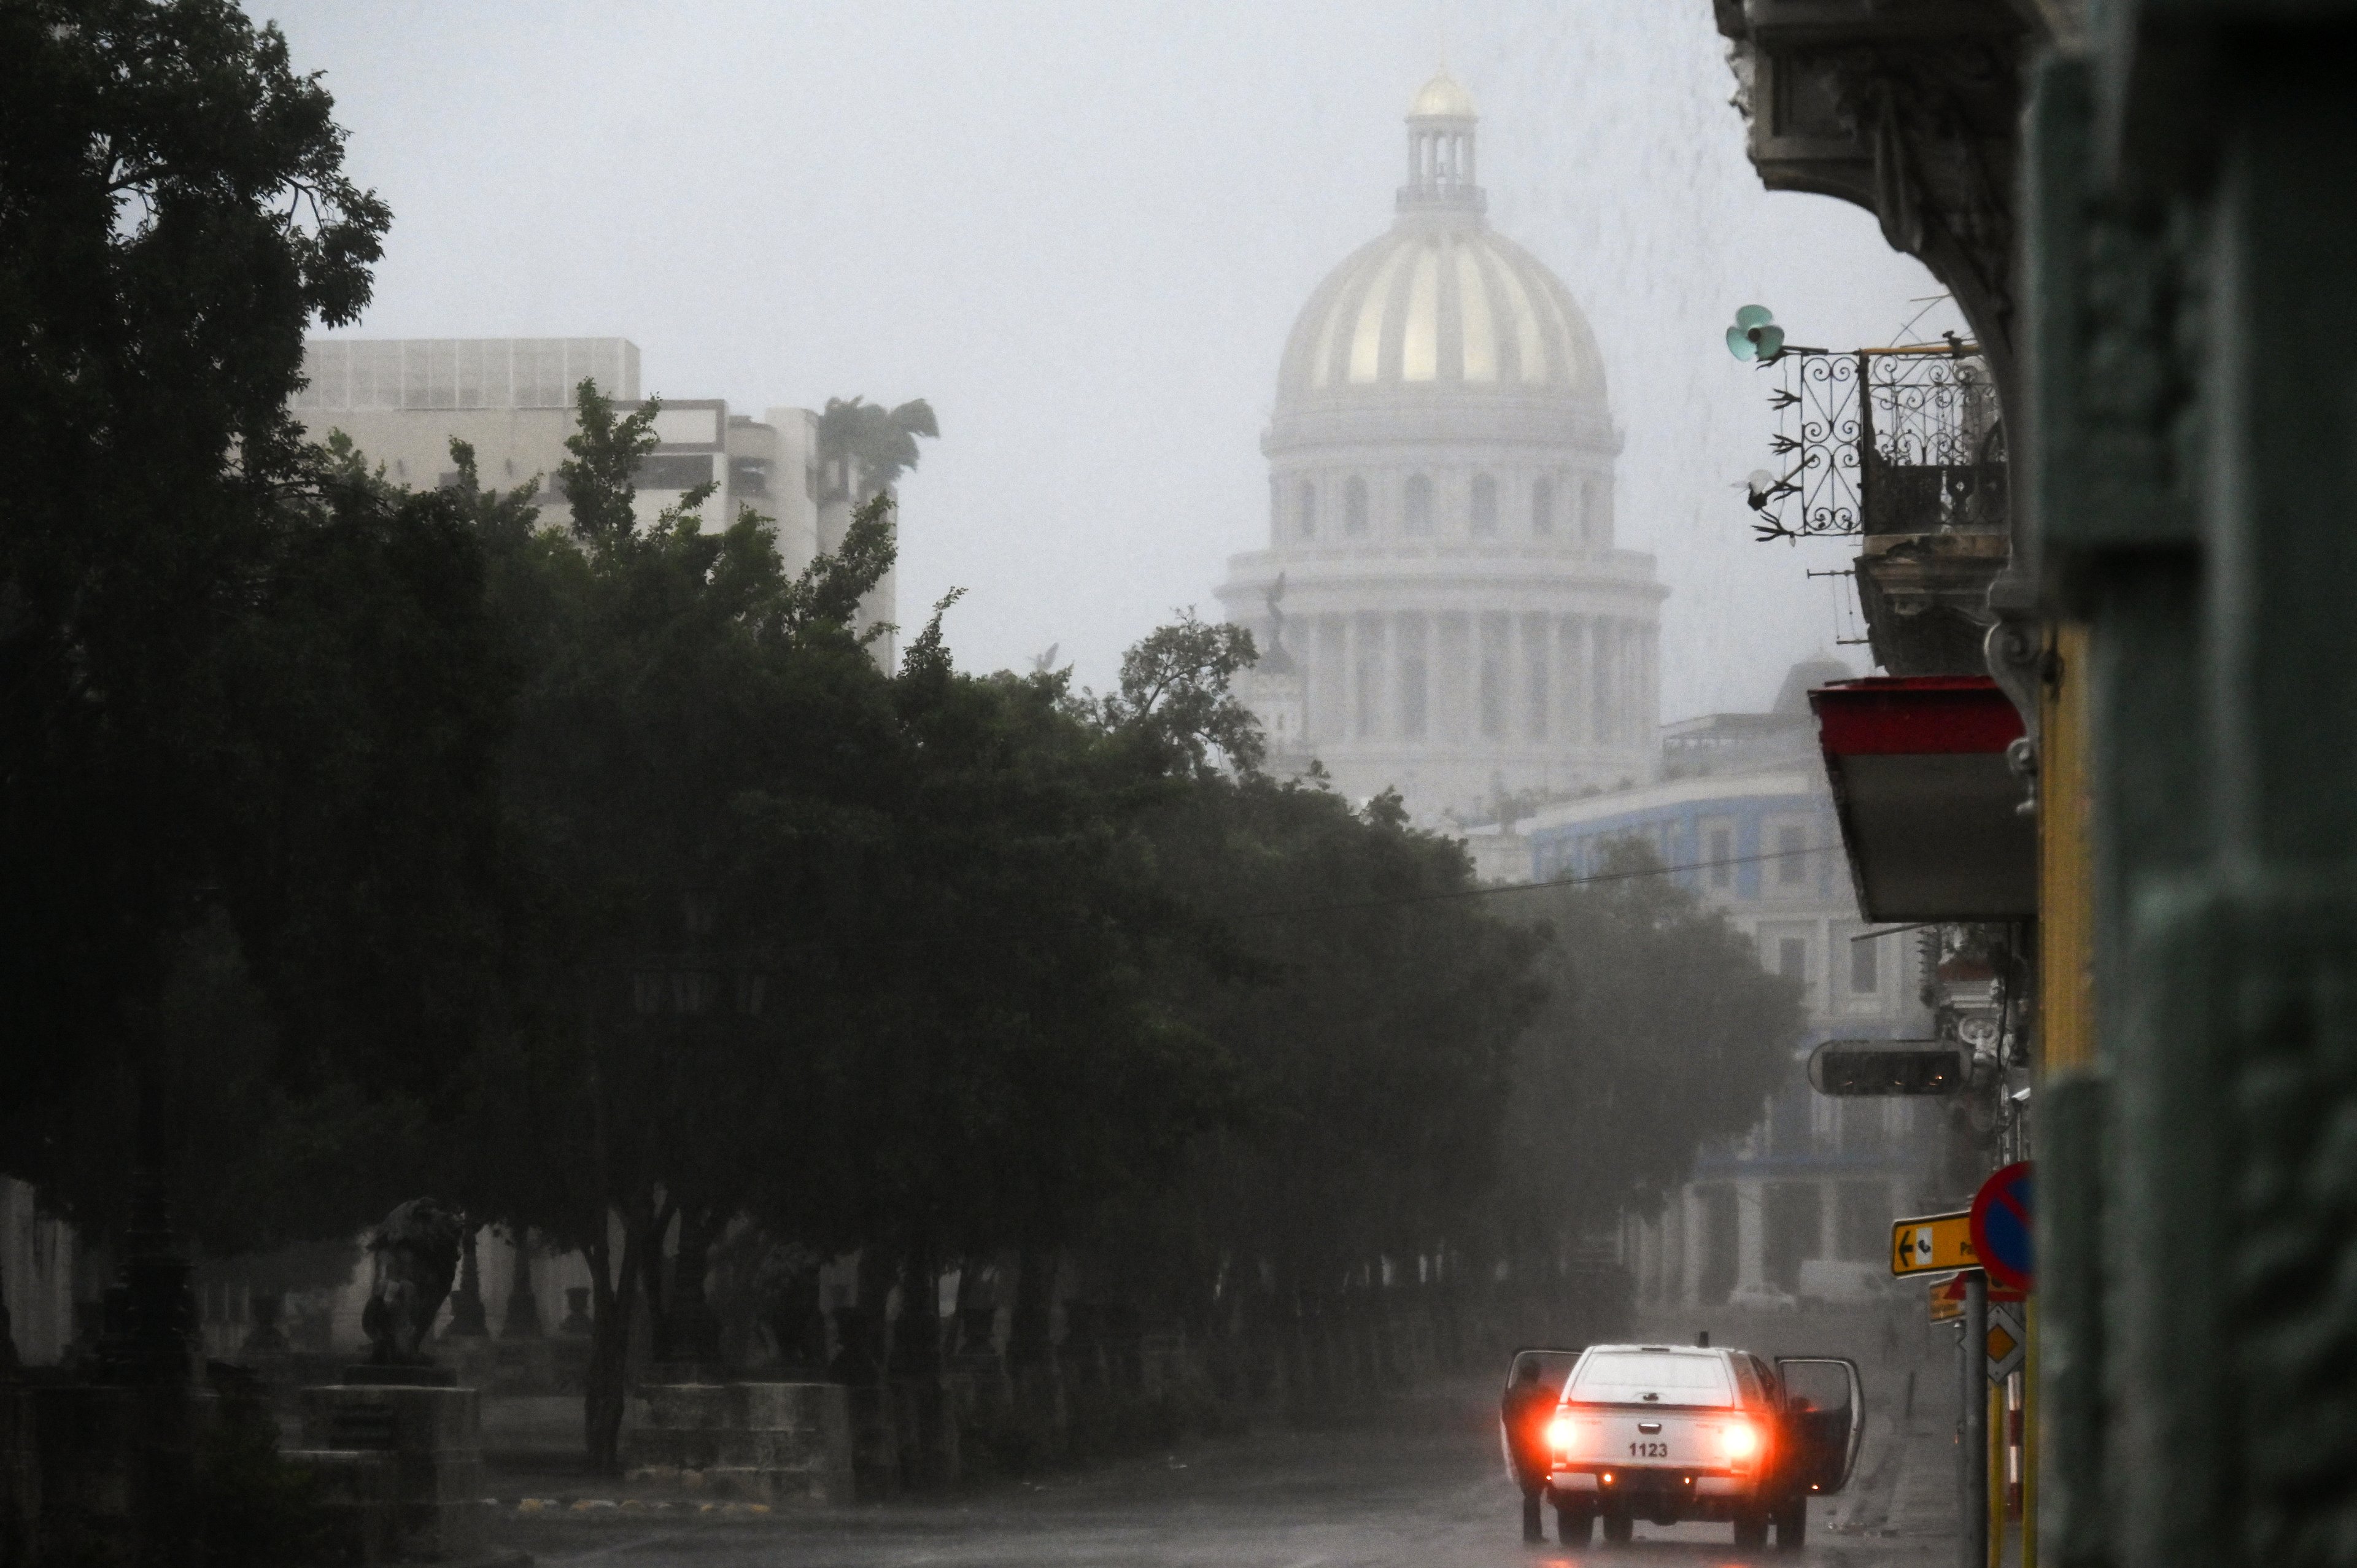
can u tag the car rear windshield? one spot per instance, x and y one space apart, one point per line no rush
1650 1376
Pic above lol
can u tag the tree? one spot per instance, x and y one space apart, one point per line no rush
1175 697
1372 1009
235 684
173 213
1661 1035
873 444
680 698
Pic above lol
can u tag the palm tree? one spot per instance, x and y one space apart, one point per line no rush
866 447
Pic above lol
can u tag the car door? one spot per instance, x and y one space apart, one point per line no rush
1553 1364
1825 1412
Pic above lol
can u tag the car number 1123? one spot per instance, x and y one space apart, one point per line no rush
1649 1451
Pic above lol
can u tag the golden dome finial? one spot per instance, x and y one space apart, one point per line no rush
1442 98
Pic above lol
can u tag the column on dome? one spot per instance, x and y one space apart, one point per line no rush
1304 649
1496 665
1514 724
1331 675
1571 634
1354 696
1650 714
1618 696
1412 658
1453 715
1599 683
1369 722
1632 682
1615 680
1640 680
1537 656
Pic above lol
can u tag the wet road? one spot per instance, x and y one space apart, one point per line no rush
1422 1490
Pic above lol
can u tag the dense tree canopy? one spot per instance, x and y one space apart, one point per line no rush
1661 1036
600 877
235 680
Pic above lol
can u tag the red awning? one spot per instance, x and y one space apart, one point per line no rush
1930 810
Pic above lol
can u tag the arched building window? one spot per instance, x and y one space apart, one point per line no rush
1308 510
1542 506
1354 506
1485 506
1418 510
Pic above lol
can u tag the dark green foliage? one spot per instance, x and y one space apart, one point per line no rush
1372 1012
243 688
873 445
1661 1036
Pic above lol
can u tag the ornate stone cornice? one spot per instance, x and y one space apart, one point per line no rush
1910 111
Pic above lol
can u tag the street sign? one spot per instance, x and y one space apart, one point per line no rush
2008 1341
1947 1297
2001 1227
1886 1067
1937 1245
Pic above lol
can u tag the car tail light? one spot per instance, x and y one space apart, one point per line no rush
1739 1440
1562 1432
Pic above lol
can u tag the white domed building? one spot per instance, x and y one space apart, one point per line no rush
1441 606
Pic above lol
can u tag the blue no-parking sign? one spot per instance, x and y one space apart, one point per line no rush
2002 1229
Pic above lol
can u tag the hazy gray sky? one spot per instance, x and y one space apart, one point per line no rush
1081 231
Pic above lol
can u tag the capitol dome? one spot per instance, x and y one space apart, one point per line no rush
1440 305
1442 607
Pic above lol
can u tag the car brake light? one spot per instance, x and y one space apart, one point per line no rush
1741 1439
1562 1431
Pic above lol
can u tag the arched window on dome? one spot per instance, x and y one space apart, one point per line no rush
1418 512
1308 510
1354 506
1485 507
1542 507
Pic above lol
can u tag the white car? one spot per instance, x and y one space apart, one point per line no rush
1670 1434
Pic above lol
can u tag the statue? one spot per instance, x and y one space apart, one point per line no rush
416 1256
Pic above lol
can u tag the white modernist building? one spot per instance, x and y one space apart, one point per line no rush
1441 605
401 400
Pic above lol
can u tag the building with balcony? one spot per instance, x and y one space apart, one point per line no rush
1442 604
1742 815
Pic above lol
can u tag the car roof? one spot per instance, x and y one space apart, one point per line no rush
1721 1351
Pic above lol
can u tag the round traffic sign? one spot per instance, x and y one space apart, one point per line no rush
2001 1227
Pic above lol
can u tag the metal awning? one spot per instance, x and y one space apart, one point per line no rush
1930 810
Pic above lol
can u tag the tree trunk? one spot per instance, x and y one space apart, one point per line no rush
929 1442
606 1383
651 1283
615 1290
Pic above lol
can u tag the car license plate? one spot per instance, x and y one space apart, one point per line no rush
1633 1442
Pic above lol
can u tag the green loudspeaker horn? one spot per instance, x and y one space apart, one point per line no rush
1755 337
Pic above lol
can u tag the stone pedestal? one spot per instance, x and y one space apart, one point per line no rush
355 1492
429 1444
774 1443
112 1470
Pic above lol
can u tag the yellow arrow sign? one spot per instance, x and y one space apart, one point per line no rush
1938 1243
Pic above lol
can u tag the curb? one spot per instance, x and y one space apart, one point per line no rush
530 1506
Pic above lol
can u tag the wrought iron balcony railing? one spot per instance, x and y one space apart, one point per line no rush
1883 441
